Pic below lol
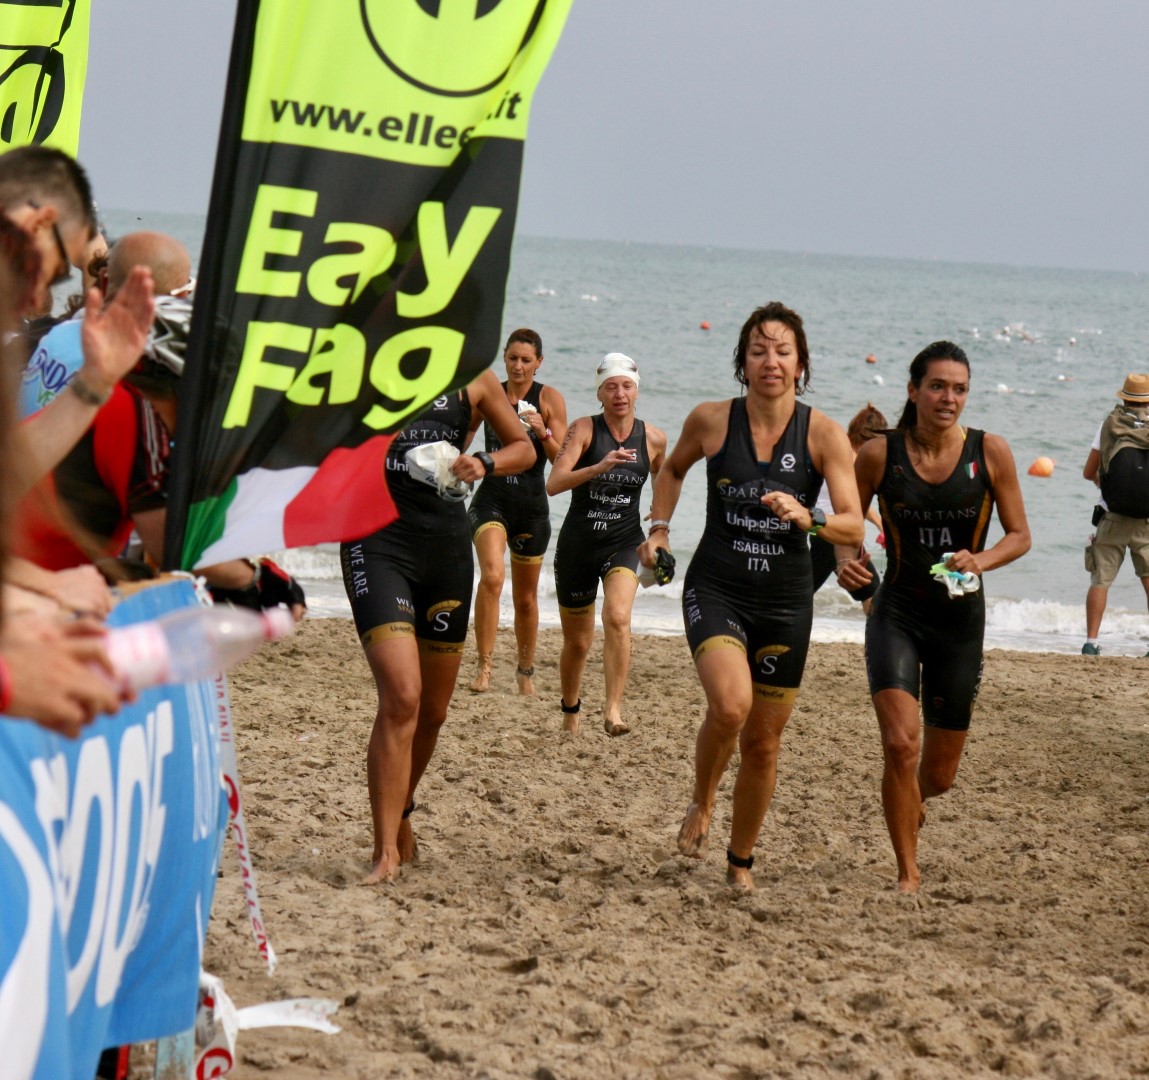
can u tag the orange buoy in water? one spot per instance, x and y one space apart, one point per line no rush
1042 466
871 359
704 325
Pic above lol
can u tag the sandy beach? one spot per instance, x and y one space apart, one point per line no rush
549 929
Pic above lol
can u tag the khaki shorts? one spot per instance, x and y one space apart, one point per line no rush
1115 533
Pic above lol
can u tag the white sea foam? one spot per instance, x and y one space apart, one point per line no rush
1024 625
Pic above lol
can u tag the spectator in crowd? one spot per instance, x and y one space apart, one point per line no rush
1118 463
50 668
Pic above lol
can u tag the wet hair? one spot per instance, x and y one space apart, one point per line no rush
937 350
45 175
774 311
867 423
525 336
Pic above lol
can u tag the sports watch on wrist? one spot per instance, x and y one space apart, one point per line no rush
817 521
488 463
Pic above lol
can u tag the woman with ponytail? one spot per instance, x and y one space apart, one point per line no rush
936 483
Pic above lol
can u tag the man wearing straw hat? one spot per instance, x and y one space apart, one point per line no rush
1118 463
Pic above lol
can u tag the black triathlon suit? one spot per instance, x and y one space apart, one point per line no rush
603 526
414 577
749 584
516 504
918 639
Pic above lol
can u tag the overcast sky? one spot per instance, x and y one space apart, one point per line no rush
1006 131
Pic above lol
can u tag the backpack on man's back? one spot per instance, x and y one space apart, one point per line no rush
1125 462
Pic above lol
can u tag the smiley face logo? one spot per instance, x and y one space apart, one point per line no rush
456 48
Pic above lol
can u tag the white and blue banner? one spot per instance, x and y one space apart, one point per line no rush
109 847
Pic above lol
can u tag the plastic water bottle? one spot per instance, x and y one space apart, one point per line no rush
192 643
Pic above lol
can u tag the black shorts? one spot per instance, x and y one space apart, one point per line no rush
931 652
526 521
773 631
579 569
400 585
824 563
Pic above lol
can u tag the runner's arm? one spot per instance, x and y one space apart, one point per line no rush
869 466
516 453
846 525
1010 512
563 475
554 410
668 483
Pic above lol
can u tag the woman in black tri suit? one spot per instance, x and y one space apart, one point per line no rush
747 597
514 511
410 590
936 484
604 462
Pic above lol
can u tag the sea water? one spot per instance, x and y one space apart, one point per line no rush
1048 351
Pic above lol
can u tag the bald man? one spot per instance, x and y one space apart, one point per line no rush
60 355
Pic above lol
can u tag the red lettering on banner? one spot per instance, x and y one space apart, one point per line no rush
215 1063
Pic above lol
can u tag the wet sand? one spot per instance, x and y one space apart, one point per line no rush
550 929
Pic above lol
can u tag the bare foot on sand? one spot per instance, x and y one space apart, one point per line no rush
694 835
911 881
615 725
385 870
525 679
921 815
481 683
738 877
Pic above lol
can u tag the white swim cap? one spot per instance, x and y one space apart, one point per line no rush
615 365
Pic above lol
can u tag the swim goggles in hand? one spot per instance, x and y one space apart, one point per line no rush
956 582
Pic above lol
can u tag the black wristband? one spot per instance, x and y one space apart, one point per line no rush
485 459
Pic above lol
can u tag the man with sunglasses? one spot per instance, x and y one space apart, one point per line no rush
47 194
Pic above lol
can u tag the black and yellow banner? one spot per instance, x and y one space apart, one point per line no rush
43 65
356 255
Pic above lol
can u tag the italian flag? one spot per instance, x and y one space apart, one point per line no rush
344 497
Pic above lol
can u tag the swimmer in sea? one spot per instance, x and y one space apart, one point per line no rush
604 462
937 483
514 511
747 598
